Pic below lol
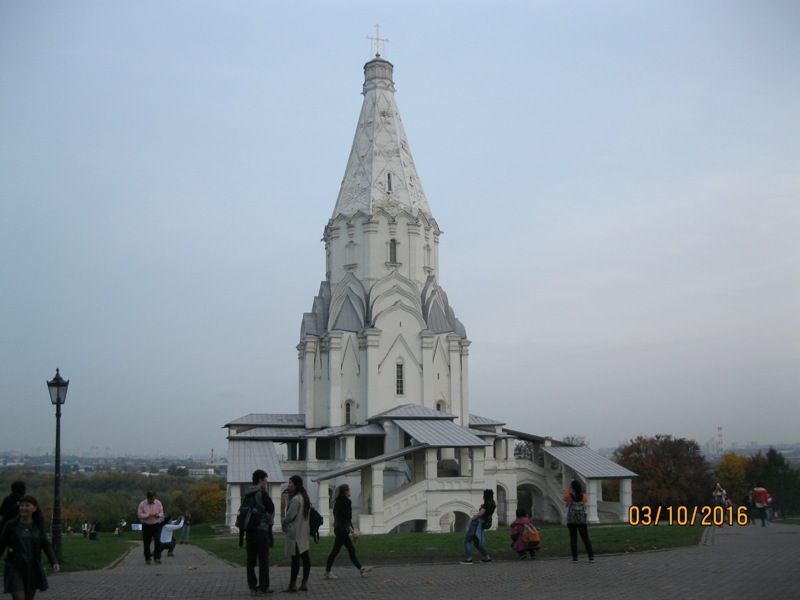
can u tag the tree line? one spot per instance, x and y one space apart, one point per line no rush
673 472
108 497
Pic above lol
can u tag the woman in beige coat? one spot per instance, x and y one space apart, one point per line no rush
296 528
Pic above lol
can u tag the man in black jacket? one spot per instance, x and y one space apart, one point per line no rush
258 511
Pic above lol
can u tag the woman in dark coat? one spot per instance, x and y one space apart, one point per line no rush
25 538
342 528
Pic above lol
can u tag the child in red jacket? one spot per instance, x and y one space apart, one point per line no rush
524 536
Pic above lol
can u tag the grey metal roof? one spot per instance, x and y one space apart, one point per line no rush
475 420
484 432
270 433
529 437
263 419
370 461
412 411
244 457
587 462
369 429
439 433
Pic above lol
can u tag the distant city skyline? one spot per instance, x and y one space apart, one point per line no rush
617 184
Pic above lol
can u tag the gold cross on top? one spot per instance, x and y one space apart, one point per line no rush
377 39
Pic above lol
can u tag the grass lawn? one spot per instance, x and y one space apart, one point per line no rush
443 547
82 554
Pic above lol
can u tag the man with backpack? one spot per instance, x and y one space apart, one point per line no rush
255 520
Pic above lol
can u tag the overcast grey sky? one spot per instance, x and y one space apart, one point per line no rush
618 185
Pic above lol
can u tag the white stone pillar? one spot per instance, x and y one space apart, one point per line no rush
591 498
427 369
430 464
234 501
311 449
454 350
274 491
464 397
350 447
377 496
625 498
324 507
335 343
307 391
478 461
463 462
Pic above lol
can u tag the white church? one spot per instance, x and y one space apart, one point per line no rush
384 373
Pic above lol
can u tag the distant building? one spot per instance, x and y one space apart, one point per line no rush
384 371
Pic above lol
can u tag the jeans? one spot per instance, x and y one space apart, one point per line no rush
258 551
474 535
342 539
574 530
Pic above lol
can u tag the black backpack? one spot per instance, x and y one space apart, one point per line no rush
315 521
251 514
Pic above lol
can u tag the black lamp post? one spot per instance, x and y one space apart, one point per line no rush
58 394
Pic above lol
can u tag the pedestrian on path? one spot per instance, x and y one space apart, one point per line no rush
25 538
255 522
761 502
151 514
480 521
575 500
297 529
342 528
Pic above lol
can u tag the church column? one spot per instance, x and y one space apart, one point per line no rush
377 496
307 352
464 397
431 462
478 459
350 447
274 491
311 449
436 254
335 386
427 369
591 500
463 462
234 501
372 338
324 504
454 348
414 272
625 498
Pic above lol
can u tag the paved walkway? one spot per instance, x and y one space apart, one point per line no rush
737 562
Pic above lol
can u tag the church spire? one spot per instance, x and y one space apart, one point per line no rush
380 172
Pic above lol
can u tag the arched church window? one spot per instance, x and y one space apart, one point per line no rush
393 250
399 379
389 181
348 412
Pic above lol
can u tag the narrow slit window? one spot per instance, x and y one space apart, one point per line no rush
393 250
348 417
389 181
399 379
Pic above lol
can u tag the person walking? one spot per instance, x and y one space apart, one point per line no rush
10 507
151 514
25 538
761 502
575 500
258 530
480 521
297 529
342 528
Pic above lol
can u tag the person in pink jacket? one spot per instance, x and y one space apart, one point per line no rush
521 531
